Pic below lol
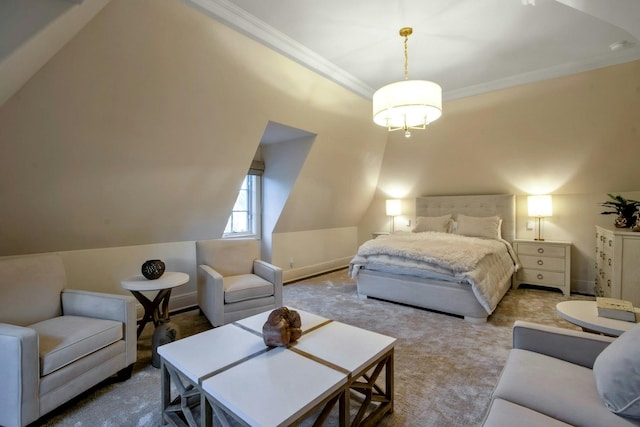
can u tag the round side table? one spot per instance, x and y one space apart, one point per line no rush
585 315
157 309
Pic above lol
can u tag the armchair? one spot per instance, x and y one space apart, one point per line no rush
233 283
562 377
56 343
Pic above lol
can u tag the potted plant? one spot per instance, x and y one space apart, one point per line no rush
636 225
622 208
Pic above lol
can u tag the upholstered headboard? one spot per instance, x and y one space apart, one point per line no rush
503 205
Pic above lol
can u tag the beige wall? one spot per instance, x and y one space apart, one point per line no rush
140 130
576 137
130 142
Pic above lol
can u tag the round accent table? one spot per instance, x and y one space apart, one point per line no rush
585 315
158 308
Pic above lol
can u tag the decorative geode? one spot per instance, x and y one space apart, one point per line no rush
282 327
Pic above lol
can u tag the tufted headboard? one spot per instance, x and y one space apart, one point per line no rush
503 205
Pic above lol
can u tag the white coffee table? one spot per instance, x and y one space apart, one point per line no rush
364 355
585 315
187 361
275 388
233 375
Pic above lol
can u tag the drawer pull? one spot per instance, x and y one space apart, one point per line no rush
610 241
540 262
540 250
609 262
609 283
540 276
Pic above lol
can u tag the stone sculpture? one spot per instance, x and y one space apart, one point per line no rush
282 327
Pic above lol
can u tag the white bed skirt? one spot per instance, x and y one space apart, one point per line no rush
446 297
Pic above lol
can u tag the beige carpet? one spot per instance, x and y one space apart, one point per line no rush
445 368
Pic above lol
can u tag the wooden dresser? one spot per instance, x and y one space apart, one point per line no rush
618 264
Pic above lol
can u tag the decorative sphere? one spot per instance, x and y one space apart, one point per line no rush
153 269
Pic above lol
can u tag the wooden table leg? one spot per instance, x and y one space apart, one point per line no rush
366 385
182 408
165 388
162 306
152 311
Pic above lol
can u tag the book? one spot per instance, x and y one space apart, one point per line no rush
615 309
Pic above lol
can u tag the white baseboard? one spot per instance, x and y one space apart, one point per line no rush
313 270
583 287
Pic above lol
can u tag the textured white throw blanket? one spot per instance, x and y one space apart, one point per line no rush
484 263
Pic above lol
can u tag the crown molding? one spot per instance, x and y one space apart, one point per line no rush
622 57
239 19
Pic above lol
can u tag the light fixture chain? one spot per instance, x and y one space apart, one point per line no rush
406 58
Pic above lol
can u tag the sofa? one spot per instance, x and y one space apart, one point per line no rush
561 377
56 342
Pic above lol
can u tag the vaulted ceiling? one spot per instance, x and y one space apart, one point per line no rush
467 46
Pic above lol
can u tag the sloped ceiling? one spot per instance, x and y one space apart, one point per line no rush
468 47
31 32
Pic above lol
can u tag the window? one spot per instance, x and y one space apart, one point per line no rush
245 217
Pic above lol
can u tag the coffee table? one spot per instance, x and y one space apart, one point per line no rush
585 315
232 375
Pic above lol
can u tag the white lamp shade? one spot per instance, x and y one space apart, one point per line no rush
394 207
408 103
540 206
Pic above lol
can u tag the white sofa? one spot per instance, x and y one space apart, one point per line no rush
560 377
56 343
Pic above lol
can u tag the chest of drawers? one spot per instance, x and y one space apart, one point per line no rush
544 263
618 264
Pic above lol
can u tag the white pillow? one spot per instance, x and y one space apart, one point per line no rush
476 226
617 374
433 223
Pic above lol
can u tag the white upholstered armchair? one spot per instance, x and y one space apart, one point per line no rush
233 283
56 343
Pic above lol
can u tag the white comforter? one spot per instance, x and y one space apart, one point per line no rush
486 264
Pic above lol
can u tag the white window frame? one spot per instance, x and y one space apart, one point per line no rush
254 209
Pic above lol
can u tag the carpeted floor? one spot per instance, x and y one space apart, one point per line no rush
445 368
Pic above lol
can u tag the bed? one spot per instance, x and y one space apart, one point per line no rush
449 289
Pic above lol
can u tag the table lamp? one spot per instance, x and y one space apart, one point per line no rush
540 207
394 208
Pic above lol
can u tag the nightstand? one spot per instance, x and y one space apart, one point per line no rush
544 263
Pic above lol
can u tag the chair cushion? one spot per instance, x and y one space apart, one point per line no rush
561 390
617 374
65 339
245 287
